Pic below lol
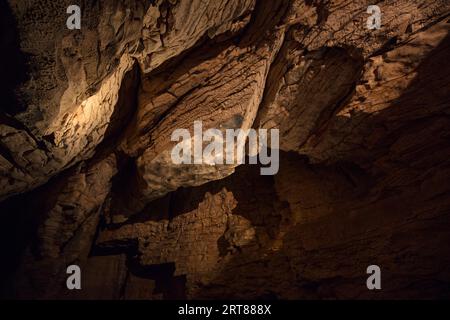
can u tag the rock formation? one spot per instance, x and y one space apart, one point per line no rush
86 175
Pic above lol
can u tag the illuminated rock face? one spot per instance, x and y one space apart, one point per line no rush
85 138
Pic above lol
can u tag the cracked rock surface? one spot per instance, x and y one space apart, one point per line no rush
86 176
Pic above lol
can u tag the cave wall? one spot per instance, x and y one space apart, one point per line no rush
85 170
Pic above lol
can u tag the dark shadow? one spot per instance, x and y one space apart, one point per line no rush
21 215
170 286
124 110
15 234
13 62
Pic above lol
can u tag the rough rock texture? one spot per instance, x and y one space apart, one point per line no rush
74 77
85 139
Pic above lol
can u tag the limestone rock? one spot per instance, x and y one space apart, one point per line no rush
86 175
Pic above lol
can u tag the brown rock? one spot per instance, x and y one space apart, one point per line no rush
86 176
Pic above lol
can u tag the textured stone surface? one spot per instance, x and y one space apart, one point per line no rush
213 88
71 90
86 176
